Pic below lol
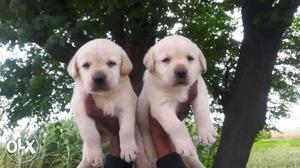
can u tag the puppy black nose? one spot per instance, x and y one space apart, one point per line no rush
181 72
99 79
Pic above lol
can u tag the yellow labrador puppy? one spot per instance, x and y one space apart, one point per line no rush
173 65
100 68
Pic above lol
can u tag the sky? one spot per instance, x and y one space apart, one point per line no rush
292 123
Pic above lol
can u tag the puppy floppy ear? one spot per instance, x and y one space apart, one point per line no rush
126 65
149 61
202 61
72 67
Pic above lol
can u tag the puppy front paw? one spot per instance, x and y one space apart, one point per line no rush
129 151
207 135
185 148
91 158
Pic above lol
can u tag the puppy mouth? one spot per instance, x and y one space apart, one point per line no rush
181 82
99 88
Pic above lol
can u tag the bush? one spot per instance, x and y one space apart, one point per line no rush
60 146
205 153
262 134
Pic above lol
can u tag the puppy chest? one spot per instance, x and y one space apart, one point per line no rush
108 108
177 97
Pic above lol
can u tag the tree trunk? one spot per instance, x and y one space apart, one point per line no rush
136 51
245 110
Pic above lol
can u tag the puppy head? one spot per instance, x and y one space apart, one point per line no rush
175 60
98 65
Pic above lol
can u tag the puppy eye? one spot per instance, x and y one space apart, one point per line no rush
111 63
166 60
86 65
190 58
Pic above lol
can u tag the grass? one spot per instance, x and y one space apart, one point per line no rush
275 154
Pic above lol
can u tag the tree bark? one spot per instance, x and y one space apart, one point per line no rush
246 106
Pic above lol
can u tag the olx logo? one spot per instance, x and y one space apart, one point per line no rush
22 148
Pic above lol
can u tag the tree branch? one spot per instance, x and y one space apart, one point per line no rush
62 53
286 10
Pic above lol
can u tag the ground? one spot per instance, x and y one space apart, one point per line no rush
275 153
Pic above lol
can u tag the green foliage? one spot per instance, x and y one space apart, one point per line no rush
27 84
262 135
206 153
35 86
285 83
41 21
60 146
70 23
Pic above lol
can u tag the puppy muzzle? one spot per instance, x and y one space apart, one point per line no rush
181 76
100 82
